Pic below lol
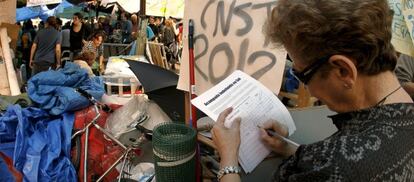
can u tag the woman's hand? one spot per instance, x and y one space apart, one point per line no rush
275 143
227 140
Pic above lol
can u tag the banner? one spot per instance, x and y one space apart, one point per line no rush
130 6
401 38
41 2
229 36
165 8
8 11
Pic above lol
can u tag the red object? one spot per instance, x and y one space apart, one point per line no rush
193 116
102 153
16 174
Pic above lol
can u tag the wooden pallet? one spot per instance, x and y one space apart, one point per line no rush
158 55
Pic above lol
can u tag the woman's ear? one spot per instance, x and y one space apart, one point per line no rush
345 69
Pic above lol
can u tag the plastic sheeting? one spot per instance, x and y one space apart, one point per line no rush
42 150
42 12
55 91
6 175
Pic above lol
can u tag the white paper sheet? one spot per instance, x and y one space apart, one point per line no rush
254 104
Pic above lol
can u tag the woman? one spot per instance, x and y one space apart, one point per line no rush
169 41
79 33
168 35
342 51
95 46
85 60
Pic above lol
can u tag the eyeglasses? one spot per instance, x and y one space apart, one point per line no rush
306 75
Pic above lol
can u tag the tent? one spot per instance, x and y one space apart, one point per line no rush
68 12
130 6
41 12
164 8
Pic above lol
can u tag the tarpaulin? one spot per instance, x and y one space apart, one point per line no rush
7 171
42 12
43 142
55 91
6 175
8 125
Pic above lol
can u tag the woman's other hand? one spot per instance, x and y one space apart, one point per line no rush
227 140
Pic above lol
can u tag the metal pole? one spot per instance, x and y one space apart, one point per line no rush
123 165
85 156
193 117
112 167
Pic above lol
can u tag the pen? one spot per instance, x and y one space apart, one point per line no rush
273 133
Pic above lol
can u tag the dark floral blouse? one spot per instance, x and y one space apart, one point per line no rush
375 144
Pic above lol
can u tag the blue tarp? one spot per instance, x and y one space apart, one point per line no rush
42 12
55 91
42 150
6 175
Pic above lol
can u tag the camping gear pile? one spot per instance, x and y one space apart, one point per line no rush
47 140
60 131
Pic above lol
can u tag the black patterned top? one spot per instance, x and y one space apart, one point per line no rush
375 144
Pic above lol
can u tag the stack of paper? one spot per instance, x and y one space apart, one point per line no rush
254 104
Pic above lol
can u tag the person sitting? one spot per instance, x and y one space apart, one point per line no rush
85 60
342 52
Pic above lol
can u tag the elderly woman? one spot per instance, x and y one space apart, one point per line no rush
85 60
342 51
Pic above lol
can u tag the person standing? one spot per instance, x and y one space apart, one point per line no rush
46 48
124 27
135 29
27 38
79 33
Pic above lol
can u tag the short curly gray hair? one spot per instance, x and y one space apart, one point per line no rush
360 29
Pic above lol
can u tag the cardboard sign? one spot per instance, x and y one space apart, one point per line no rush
229 36
175 8
408 12
156 7
165 8
41 2
8 11
401 38
130 6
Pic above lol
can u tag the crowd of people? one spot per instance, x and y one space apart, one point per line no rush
44 46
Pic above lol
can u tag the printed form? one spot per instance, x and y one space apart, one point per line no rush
254 104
